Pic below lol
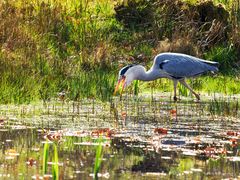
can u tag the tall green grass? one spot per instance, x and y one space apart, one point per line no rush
55 170
55 46
45 157
98 158
76 47
226 55
46 153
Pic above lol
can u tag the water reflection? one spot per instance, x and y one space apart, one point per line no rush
142 138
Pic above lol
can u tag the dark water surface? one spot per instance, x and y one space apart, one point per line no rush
142 138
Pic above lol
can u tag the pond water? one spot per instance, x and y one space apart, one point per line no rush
135 137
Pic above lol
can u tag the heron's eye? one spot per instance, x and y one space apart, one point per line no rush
123 77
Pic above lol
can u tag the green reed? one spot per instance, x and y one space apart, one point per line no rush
55 169
98 157
183 90
45 157
223 106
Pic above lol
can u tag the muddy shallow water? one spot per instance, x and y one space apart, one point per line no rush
142 138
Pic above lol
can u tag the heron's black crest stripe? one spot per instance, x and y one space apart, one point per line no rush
124 70
162 63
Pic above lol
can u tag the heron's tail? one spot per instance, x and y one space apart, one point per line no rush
213 68
211 63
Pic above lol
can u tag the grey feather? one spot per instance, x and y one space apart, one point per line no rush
179 65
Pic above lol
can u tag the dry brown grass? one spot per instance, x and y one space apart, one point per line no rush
177 45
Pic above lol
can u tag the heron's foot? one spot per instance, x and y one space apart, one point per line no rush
176 99
197 96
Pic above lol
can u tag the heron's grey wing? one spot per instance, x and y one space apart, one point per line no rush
184 67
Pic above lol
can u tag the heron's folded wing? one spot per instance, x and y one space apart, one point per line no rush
182 67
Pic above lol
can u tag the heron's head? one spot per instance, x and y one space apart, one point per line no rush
127 74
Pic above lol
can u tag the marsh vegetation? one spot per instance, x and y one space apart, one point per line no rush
78 46
59 62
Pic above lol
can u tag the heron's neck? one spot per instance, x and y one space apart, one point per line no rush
150 75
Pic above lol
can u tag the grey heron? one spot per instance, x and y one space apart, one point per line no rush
174 66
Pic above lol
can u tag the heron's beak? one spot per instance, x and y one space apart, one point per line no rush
121 82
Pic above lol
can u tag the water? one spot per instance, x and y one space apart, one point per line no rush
142 138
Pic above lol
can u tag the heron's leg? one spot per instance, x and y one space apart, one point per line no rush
183 82
175 90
